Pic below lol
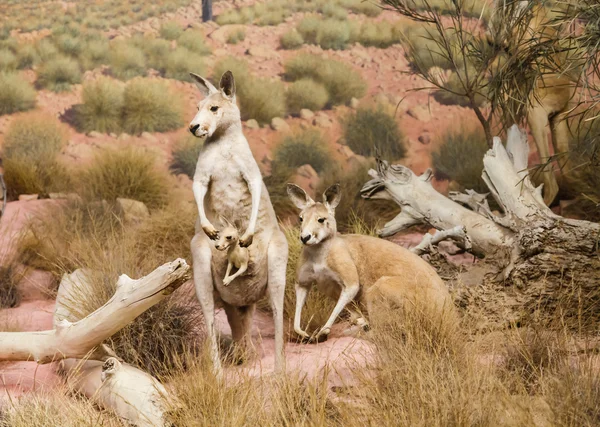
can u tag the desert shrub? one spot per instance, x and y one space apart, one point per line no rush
8 60
27 56
156 51
46 49
185 155
342 82
238 67
363 7
460 158
180 62
194 41
127 173
68 44
305 93
234 37
454 93
59 74
331 10
31 145
308 28
273 17
170 30
102 106
151 106
291 40
303 148
379 34
16 94
333 34
96 53
371 130
423 50
9 279
126 61
232 17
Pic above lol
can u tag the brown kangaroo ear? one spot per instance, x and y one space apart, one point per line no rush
227 84
299 197
332 196
204 85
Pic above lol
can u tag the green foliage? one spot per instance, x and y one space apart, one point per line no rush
96 53
170 30
156 51
308 27
16 94
459 157
46 50
331 10
193 40
333 34
185 155
102 106
342 82
291 40
27 56
128 173
306 93
371 130
307 147
151 106
380 34
180 62
68 44
126 61
425 47
454 93
8 60
59 74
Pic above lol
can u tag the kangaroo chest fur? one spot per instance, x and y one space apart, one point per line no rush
315 270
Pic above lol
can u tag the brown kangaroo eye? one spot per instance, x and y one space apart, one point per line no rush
214 108
321 220
228 237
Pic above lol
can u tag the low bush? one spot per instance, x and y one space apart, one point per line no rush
126 61
307 147
333 34
367 8
372 130
459 157
151 106
102 106
193 40
128 173
234 37
59 74
273 17
8 60
27 56
331 10
185 155
170 30
157 51
305 93
424 51
16 94
379 34
308 28
46 50
342 82
96 53
232 17
291 40
68 44
180 62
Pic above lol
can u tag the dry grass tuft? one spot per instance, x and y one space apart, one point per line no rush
306 93
102 106
185 155
16 94
9 279
307 147
59 74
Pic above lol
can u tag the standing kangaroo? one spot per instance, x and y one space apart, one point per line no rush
358 268
227 179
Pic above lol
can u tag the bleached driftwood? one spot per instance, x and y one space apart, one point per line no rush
527 244
458 234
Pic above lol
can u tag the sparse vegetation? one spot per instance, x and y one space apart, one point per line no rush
126 61
307 147
15 94
27 56
59 74
460 158
305 93
170 30
151 106
234 37
8 60
102 106
333 34
194 41
180 61
291 40
9 279
185 155
371 130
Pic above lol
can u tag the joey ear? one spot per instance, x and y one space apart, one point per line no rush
206 87
299 197
227 84
332 196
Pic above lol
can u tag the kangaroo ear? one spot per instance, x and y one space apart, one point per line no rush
332 196
206 87
299 197
227 84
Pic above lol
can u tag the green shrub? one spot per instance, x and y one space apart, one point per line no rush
333 34
232 17
180 62
16 94
307 147
342 82
377 34
193 40
308 28
459 158
102 107
291 40
274 17
46 50
170 30
68 45
27 56
156 51
8 60
126 61
234 37
149 105
128 173
59 74
94 54
305 93
371 129
423 50
185 155
331 10
363 7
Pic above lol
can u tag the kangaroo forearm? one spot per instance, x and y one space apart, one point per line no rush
199 189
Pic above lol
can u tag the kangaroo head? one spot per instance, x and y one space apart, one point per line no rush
228 236
317 220
218 110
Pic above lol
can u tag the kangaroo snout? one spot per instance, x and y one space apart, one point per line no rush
198 131
305 239
193 129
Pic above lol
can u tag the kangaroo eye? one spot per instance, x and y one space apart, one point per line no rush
214 108
300 219
228 237
321 220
